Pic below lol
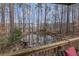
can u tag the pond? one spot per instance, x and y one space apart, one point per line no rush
34 40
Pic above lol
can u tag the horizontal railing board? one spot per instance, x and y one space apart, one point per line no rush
30 50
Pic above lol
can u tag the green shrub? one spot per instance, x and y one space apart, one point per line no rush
7 41
16 35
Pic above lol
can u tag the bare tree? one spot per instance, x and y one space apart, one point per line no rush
67 28
24 15
78 17
3 16
61 19
72 20
45 23
11 7
19 15
38 6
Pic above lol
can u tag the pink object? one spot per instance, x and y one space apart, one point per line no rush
71 51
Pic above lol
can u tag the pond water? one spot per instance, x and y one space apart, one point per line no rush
34 40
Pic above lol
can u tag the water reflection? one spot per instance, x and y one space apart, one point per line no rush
34 40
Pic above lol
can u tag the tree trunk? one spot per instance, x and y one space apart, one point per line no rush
3 16
67 28
78 18
38 26
72 20
61 20
11 7
45 23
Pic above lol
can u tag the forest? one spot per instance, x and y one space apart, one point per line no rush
28 25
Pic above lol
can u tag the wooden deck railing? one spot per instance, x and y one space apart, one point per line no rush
46 50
